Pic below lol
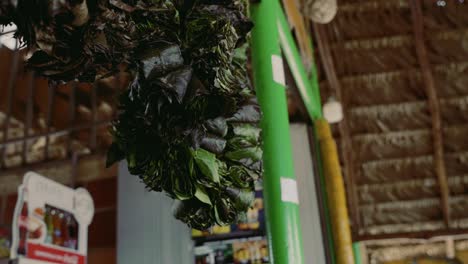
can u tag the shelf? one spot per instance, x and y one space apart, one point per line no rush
234 235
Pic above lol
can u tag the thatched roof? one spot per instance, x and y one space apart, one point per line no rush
400 68
446 248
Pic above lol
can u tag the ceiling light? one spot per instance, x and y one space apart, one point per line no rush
333 111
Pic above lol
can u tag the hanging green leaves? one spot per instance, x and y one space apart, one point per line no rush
188 122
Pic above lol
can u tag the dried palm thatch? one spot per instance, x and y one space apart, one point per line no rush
383 83
442 248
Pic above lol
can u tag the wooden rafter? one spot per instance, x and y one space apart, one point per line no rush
346 144
298 23
434 107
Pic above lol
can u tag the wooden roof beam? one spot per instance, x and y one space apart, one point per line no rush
346 145
434 107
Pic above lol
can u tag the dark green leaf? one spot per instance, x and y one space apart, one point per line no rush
246 156
217 126
202 196
182 186
247 114
242 198
247 131
158 61
206 162
224 212
213 144
177 81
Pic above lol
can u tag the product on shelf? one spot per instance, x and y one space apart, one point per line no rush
237 251
240 243
23 224
255 216
4 242
253 222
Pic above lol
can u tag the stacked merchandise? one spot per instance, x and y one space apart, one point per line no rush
56 227
241 243
240 251
62 228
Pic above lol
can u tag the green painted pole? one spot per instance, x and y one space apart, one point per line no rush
357 253
310 94
308 89
280 188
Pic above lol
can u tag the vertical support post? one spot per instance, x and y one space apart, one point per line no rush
29 116
434 107
49 116
10 98
322 196
280 188
93 138
349 161
309 91
357 253
336 194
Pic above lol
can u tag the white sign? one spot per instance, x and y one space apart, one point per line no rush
289 191
50 223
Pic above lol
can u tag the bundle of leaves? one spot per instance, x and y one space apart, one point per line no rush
82 39
188 124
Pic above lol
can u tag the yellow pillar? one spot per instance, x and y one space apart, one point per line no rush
335 194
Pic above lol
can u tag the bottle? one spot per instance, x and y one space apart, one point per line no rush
23 225
57 236
49 224
219 257
72 228
65 231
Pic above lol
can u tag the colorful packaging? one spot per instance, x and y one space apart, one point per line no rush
4 243
255 216
253 251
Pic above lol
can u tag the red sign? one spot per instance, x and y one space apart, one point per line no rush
52 255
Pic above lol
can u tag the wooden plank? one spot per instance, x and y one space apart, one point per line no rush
298 23
414 235
346 143
434 107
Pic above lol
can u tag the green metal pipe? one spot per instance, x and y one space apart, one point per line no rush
280 188
357 253
310 94
308 89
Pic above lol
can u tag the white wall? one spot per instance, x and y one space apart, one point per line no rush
147 233
308 202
